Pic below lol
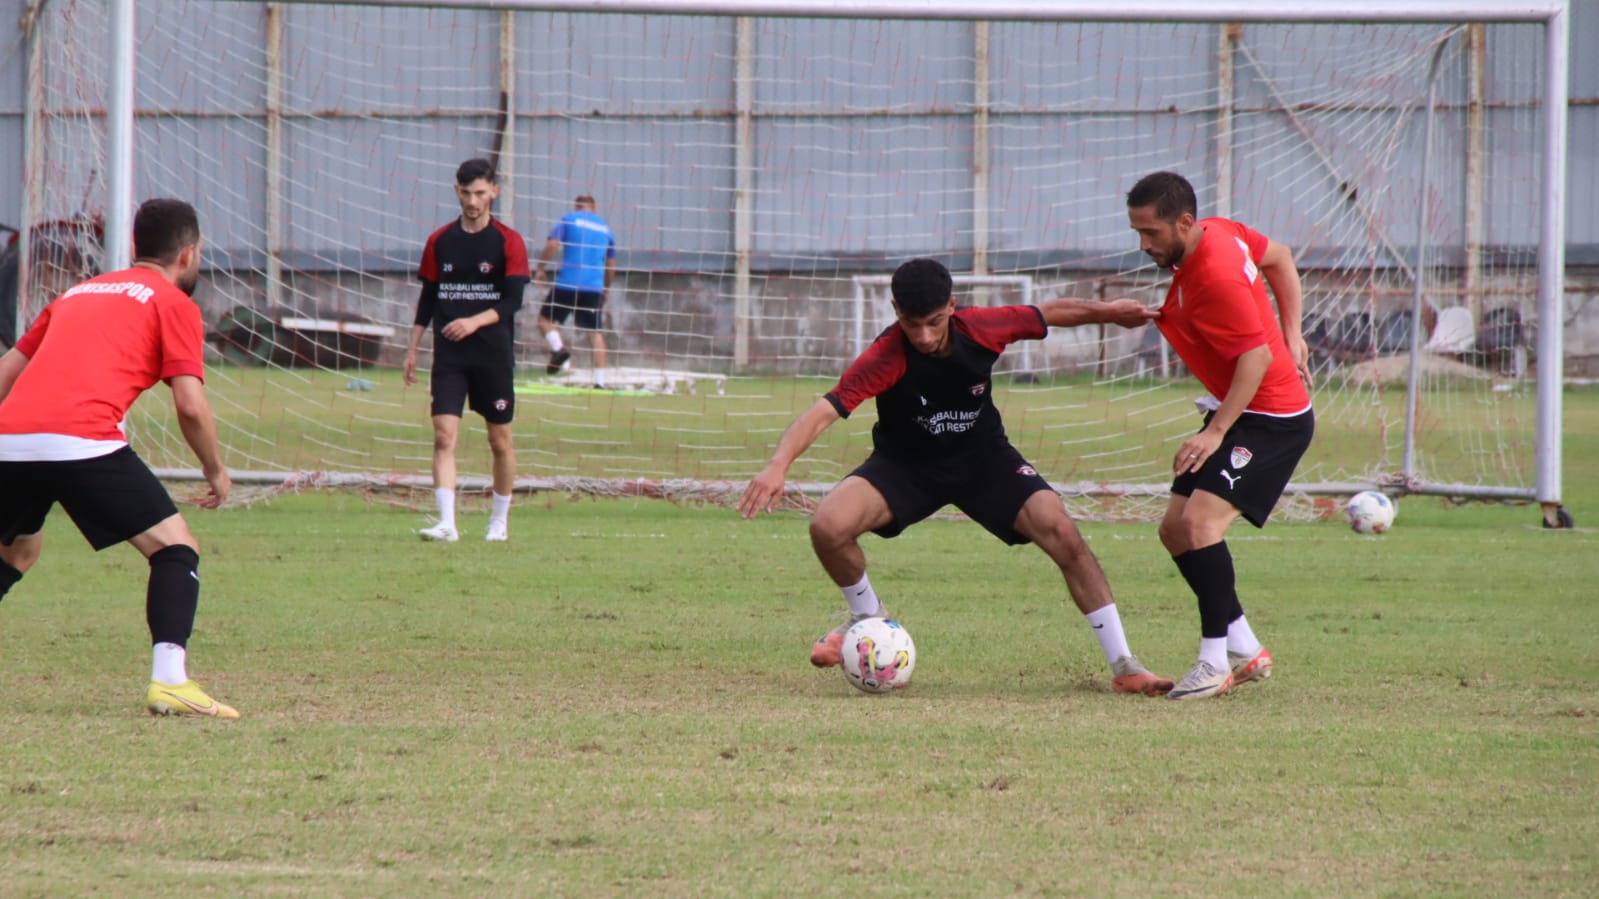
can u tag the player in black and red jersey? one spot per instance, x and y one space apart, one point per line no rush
473 273
939 441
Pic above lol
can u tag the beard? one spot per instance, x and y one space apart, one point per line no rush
188 281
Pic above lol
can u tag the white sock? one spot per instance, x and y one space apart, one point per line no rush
501 511
1240 639
445 497
553 338
166 664
1214 651
862 598
1107 625
599 377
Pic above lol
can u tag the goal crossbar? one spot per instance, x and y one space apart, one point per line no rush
1043 10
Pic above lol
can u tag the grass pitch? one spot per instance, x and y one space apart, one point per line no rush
617 703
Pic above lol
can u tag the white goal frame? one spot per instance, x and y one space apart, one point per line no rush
1552 15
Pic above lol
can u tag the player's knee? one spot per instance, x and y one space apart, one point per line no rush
443 442
828 532
1191 532
22 553
1066 543
1172 536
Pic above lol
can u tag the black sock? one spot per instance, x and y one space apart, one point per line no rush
8 578
173 594
1209 571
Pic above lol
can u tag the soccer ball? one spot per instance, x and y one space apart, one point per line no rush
1371 512
878 655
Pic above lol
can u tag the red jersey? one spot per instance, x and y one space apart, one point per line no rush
1217 310
96 348
937 406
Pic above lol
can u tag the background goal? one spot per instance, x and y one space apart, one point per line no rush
764 173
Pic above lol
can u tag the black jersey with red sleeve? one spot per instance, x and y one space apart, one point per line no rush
465 273
933 406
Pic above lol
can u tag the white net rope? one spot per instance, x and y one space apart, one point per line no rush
319 145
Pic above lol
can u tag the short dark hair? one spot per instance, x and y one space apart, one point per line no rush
583 199
473 169
921 287
162 228
1169 192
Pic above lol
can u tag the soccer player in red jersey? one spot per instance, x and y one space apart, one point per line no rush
473 273
64 390
939 441
1257 416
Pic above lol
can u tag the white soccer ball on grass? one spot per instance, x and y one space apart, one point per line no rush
878 655
1371 512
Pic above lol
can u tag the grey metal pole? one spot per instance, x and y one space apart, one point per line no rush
744 194
1044 10
119 121
1423 219
1552 269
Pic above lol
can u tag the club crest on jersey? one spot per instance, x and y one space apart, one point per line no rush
1027 470
1240 457
501 405
485 267
978 389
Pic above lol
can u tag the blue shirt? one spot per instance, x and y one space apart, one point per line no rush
586 242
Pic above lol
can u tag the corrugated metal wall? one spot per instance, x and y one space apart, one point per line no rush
863 132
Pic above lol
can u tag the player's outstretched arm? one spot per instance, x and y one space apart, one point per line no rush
1066 313
765 488
200 431
1283 275
11 365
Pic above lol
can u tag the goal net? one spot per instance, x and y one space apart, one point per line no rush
763 177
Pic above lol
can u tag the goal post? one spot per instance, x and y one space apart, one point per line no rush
766 163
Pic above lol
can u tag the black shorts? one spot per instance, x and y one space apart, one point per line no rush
990 487
587 304
111 498
489 383
1252 466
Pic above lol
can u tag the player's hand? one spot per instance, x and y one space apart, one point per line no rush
763 492
1299 351
540 279
1194 452
1129 313
410 367
221 484
461 328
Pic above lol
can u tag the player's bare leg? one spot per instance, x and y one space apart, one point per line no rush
503 448
597 346
559 354
17 559
1044 521
446 431
849 510
1194 531
171 599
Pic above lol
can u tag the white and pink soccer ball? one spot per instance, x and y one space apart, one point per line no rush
878 655
1371 512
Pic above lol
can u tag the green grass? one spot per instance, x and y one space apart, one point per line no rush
1072 428
617 703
